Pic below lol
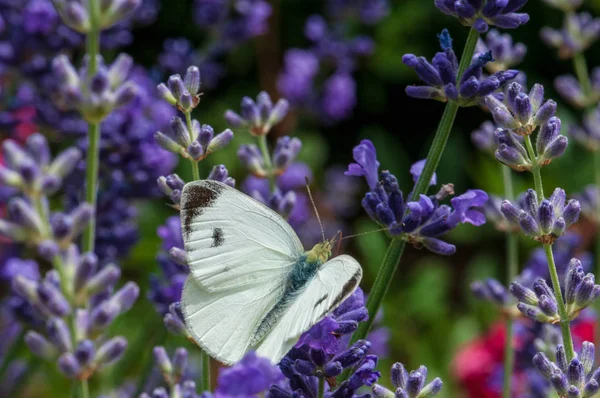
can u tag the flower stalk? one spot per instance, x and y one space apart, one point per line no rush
93 155
264 149
512 268
195 167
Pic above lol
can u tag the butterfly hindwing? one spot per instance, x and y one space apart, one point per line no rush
222 323
335 281
234 241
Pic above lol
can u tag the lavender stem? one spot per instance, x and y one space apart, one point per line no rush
195 168
262 144
512 268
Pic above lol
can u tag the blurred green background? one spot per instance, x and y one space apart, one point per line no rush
429 311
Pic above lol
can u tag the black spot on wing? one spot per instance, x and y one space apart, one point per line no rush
321 300
197 198
347 289
217 237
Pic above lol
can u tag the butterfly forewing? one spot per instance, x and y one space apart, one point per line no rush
232 240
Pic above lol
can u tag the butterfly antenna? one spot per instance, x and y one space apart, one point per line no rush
315 208
365 233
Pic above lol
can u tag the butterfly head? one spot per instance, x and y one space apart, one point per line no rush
320 252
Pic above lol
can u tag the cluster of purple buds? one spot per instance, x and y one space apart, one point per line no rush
285 153
574 379
76 13
565 5
83 348
550 144
27 225
174 321
540 303
519 112
569 88
196 144
589 200
419 221
588 134
172 185
544 221
258 117
183 94
480 14
250 377
506 54
96 95
31 170
173 371
493 291
579 33
409 385
442 82
493 214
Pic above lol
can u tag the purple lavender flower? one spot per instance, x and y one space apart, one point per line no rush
94 96
31 169
579 33
546 220
409 385
506 54
75 14
249 377
296 81
540 303
521 113
588 134
175 373
339 96
576 378
258 117
481 14
194 145
420 221
81 354
441 80
183 94
569 88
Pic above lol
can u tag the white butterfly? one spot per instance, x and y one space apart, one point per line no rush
252 286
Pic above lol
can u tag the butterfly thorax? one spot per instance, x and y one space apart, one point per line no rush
319 253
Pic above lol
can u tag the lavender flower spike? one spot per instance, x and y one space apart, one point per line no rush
258 117
440 76
579 33
588 134
576 379
521 113
568 86
183 94
545 221
409 385
75 14
481 14
540 304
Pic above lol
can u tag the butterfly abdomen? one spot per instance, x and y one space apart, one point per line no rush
297 280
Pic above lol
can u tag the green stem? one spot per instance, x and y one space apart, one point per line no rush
512 268
583 76
91 178
205 360
535 170
85 392
93 153
262 145
562 310
321 393
380 286
396 248
195 168
565 327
